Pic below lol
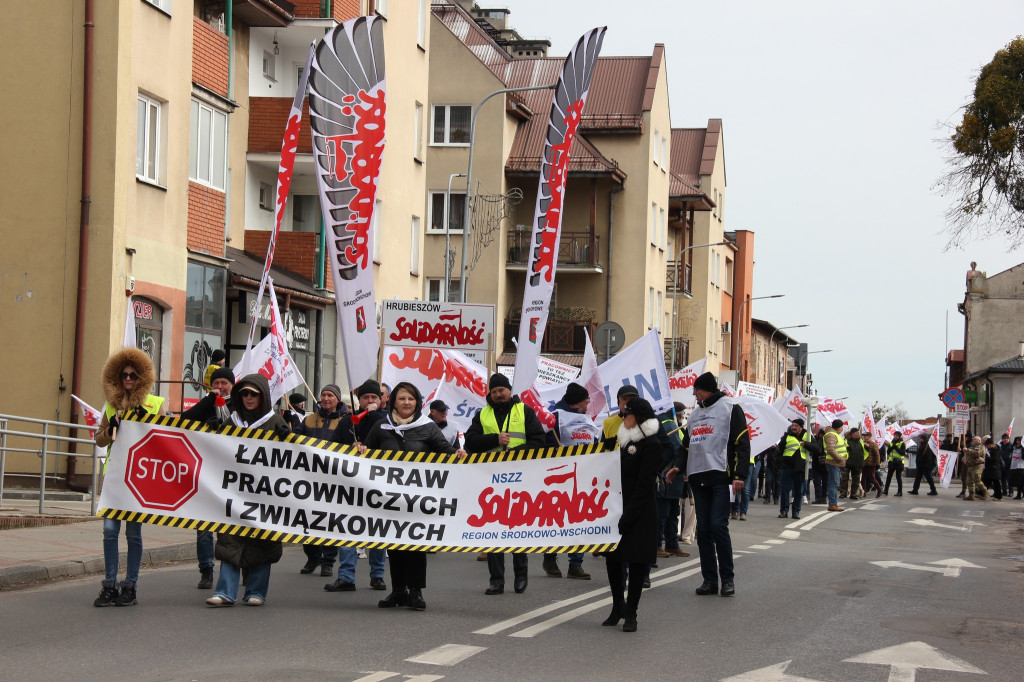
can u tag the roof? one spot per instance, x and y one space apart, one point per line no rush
955 356
765 326
472 35
249 269
1014 365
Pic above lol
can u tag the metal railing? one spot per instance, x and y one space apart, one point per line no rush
49 438
574 248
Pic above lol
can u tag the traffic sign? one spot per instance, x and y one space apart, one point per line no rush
951 396
163 470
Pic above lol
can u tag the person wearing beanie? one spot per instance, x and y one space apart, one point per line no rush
127 377
504 424
836 454
640 456
352 430
897 454
714 456
213 410
572 427
217 359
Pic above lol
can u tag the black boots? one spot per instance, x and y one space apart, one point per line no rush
416 602
205 579
396 598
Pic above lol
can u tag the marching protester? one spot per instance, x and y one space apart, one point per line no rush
127 378
251 408
439 415
819 470
835 459
574 402
897 452
670 494
1017 468
713 457
925 463
406 428
213 410
1007 456
992 475
640 457
869 475
974 462
849 483
295 412
217 359
794 460
321 424
505 424
772 465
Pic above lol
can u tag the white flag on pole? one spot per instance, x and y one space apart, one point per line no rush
130 339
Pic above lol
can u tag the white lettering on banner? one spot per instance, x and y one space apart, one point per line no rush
309 492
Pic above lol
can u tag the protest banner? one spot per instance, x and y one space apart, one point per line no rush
765 394
765 425
433 324
302 490
829 410
792 406
681 383
551 372
641 364
424 367
270 357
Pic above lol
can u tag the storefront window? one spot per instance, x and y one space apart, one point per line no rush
204 321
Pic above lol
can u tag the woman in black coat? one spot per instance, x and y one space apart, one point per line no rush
405 428
640 461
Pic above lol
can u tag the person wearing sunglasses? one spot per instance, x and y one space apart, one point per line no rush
251 408
128 376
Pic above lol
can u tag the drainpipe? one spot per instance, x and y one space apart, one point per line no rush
608 279
83 231
228 19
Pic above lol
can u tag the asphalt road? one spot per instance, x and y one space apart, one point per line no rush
809 601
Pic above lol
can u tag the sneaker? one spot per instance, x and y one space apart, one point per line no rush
253 601
106 598
361 553
217 600
577 573
378 584
127 597
340 585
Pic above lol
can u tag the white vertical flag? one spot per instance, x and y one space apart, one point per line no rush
130 338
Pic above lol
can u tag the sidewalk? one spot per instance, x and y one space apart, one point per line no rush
73 549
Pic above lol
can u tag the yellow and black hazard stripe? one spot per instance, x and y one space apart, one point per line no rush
390 455
300 539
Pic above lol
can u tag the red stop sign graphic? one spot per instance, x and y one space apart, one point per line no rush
163 470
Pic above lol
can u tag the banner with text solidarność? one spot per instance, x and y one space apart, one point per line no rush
245 481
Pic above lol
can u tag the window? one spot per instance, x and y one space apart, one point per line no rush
664 154
421 26
451 124
417 133
305 212
266 194
164 5
147 142
204 320
456 212
381 7
721 206
650 307
414 241
207 158
436 290
654 224
662 227
270 66
728 276
378 210
661 313
656 156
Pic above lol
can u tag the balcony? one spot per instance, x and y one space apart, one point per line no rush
577 250
562 335
685 284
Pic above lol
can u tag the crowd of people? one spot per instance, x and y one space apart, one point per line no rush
704 473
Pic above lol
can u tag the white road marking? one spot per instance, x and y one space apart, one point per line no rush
447 654
775 542
800 522
923 510
973 514
904 660
773 673
423 678
530 615
376 677
760 547
790 534
828 515
873 507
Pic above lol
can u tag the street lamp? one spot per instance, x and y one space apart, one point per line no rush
771 351
469 174
675 297
803 356
448 236
736 324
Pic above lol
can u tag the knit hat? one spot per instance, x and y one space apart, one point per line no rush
706 382
498 379
222 373
369 386
626 391
639 408
217 357
575 394
333 388
837 424
799 422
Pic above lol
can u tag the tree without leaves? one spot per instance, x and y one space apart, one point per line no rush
986 176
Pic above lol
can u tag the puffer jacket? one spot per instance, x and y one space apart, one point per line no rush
874 457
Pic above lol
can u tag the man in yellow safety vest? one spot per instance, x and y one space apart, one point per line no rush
836 455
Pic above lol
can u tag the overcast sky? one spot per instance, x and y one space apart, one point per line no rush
831 116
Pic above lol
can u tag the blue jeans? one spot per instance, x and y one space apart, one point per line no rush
835 474
133 533
792 482
711 503
751 487
227 581
347 563
204 548
575 558
668 522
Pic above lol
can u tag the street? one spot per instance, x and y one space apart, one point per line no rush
904 588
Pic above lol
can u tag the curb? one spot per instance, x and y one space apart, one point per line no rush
23 574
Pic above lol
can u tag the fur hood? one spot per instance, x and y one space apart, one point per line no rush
113 390
638 433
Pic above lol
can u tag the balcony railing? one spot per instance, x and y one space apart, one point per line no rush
559 337
574 248
685 283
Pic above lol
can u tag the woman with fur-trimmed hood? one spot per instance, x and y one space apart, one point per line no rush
251 407
128 376
640 454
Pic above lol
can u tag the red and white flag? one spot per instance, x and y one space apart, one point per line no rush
681 383
346 115
270 356
792 406
1009 429
765 425
289 147
566 112
867 423
91 415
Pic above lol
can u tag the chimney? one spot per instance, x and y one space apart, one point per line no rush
1021 349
